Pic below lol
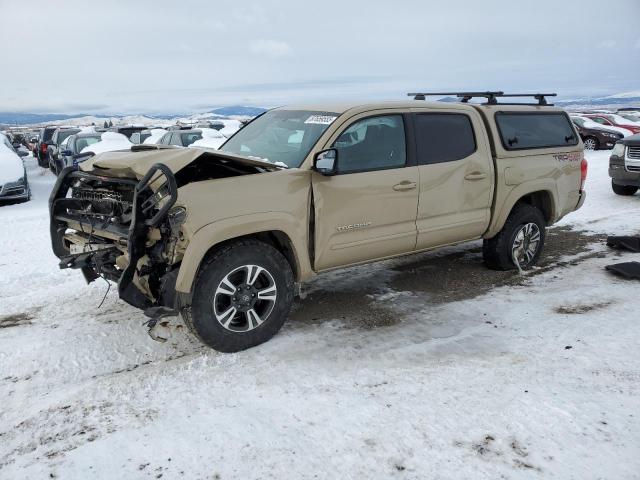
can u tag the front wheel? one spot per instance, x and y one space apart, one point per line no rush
625 190
519 243
242 296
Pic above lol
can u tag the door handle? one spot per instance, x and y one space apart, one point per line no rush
404 185
475 176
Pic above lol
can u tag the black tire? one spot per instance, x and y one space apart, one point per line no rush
497 251
201 316
625 190
591 143
43 162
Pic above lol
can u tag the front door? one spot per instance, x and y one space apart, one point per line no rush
368 209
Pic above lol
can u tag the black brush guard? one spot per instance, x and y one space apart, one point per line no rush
146 214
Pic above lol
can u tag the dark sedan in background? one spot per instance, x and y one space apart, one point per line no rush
43 145
595 138
70 151
59 136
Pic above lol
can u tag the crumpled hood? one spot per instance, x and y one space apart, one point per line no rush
136 162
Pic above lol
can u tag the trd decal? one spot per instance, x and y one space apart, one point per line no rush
568 157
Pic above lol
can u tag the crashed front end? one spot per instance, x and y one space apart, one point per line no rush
115 216
122 229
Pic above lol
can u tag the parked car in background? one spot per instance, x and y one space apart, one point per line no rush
181 138
59 136
213 124
73 145
624 166
633 116
609 128
127 130
43 144
13 176
140 137
614 120
210 139
593 136
31 143
154 137
17 139
109 142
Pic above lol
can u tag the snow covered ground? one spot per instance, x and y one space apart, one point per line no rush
374 376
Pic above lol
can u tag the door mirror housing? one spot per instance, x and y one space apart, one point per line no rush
67 153
326 162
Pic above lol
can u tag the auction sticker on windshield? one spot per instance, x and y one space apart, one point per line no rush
320 119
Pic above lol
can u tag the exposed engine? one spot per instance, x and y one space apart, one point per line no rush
120 229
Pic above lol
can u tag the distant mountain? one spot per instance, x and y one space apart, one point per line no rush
238 110
18 118
617 100
13 118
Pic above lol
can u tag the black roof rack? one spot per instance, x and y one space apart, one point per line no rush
490 96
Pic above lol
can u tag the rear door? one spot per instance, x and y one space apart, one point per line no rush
456 176
368 210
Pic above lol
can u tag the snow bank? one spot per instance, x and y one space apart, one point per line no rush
110 141
156 135
11 166
211 138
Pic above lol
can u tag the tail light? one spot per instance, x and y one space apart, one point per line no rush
584 167
43 147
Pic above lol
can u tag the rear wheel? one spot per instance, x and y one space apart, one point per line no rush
521 240
590 143
242 296
626 190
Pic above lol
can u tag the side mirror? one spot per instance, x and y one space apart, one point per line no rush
67 153
22 153
326 162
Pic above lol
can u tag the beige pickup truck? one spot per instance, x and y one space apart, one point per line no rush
224 236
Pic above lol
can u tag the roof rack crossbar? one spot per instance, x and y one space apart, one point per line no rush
490 96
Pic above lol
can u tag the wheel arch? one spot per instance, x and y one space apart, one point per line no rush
541 196
284 234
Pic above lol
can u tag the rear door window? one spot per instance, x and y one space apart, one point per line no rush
520 131
443 137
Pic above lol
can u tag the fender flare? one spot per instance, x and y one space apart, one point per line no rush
220 231
500 216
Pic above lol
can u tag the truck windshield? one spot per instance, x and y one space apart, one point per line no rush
281 136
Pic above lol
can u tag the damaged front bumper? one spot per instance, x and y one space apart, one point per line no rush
118 228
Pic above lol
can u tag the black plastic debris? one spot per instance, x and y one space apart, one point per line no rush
629 270
625 243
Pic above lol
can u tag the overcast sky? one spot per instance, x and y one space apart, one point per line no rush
112 56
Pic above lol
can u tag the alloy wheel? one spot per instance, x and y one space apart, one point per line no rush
245 298
526 244
589 144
